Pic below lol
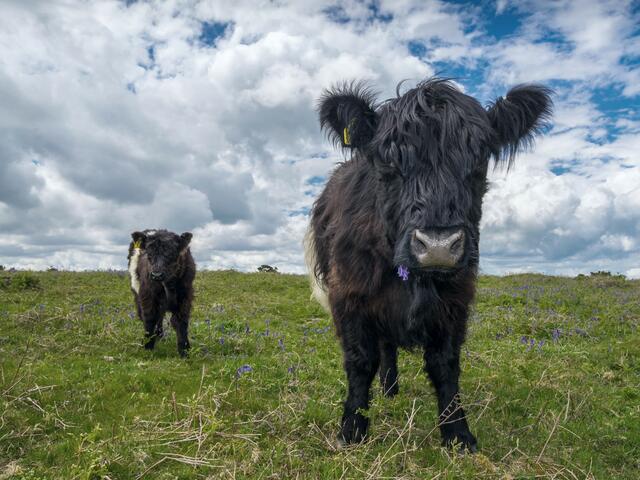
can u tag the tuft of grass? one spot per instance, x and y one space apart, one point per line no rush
550 382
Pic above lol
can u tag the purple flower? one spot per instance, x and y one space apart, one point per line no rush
532 343
555 334
403 273
221 340
290 369
242 370
281 344
524 340
246 328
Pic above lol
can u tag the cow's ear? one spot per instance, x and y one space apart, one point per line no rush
185 238
518 118
347 114
139 239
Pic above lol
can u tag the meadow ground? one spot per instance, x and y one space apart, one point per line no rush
551 383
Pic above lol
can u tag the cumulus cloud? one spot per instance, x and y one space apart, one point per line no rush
199 116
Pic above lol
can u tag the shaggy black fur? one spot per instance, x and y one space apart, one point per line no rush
419 161
165 271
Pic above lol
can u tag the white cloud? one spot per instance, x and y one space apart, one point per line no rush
119 118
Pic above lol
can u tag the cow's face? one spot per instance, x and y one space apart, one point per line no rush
430 150
162 250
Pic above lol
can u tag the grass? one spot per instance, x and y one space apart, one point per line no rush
551 377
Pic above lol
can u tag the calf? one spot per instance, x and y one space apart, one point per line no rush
162 272
392 247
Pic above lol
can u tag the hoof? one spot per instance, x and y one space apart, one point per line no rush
183 350
465 442
354 429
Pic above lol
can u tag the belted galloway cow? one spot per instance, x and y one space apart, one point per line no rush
392 246
162 271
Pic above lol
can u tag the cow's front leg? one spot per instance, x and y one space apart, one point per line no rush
442 363
151 317
361 360
388 368
180 322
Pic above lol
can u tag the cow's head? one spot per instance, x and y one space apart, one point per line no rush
430 148
162 250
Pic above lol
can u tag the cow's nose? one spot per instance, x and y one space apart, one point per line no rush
434 249
157 276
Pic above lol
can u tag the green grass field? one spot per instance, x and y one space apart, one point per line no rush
551 383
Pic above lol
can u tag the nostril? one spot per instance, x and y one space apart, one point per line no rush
457 243
420 242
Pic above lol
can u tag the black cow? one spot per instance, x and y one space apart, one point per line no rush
393 242
162 272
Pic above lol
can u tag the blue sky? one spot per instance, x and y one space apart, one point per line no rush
199 116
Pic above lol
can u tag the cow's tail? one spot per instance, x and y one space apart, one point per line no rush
318 287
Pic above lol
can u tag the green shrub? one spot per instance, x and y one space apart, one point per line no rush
20 281
607 274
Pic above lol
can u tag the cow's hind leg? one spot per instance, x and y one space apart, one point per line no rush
361 360
442 363
389 368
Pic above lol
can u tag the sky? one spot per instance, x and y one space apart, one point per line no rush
200 116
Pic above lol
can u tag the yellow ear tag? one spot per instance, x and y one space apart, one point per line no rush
346 136
137 244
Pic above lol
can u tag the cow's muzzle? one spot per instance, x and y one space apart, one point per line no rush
438 248
157 276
